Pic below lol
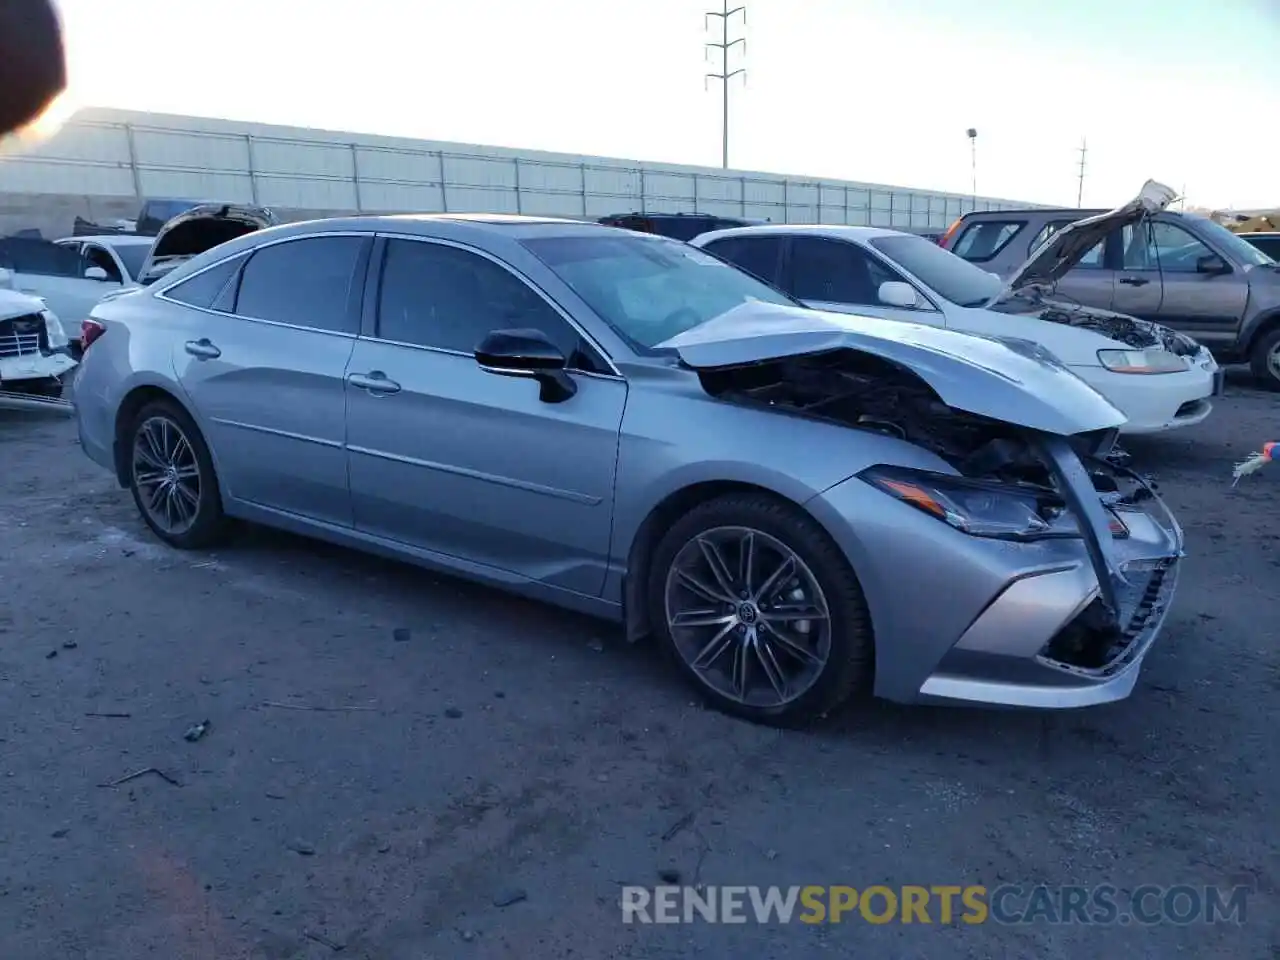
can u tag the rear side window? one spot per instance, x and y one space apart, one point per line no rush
759 256
203 289
983 240
41 257
304 283
1268 245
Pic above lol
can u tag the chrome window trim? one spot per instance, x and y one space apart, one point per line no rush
501 264
160 294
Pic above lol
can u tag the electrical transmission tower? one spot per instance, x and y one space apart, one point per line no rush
725 74
1084 152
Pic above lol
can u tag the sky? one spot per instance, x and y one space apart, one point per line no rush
881 91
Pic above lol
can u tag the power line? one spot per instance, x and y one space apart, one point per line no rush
1084 152
725 74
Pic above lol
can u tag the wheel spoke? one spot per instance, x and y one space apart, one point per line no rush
142 452
793 613
740 662
709 617
191 472
714 650
747 560
792 648
769 663
703 589
784 570
719 569
187 498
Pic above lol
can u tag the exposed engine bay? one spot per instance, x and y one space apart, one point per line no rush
1139 334
869 393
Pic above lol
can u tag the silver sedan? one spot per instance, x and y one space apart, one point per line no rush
797 505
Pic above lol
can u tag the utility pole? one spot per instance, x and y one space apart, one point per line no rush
972 134
725 74
1084 152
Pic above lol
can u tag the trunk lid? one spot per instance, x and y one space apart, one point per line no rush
1050 261
1015 381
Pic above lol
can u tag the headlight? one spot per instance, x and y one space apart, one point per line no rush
1142 361
52 325
982 508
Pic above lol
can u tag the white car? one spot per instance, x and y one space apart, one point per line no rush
72 274
33 347
1158 378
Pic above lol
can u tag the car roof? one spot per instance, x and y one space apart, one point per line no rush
838 231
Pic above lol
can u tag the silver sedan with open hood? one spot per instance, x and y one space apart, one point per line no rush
797 505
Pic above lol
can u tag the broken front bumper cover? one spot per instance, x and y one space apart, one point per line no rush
1076 635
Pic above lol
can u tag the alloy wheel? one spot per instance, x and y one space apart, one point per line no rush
167 474
1273 361
748 616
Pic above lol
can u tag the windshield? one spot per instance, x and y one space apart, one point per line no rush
133 256
1224 239
952 278
649 288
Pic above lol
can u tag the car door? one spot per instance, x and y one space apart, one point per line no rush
1206 305
759 255
56 273
262 351
449 458
1138 290
833 274
1091 282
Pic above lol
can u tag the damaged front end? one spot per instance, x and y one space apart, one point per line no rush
1139 334
34 354
1001 471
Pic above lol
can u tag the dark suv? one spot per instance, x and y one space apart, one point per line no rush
678 226
1179 269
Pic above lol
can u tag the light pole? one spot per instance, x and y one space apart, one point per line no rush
725 74
972 134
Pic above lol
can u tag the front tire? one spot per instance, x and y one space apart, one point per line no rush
172 478
761 610
1264 361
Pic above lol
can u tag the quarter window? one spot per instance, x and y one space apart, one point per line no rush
203 289
304 283
435 295
834 271
759 256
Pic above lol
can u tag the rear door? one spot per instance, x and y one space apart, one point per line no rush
832 274
262 354
449 458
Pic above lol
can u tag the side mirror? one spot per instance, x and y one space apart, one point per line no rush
1212 263
95 273
894 293
528 353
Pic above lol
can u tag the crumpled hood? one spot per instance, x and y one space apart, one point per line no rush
1015 381
1116 327
200 229
15 304
1050 261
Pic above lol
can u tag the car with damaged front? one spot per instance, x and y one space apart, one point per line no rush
34 352
1159 379
800 506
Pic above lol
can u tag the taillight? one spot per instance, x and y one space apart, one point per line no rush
945 239
90 330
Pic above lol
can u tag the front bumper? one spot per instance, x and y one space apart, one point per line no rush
1158 402
35 366
960 619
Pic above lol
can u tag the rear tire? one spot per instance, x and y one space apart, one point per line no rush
1264 360
785 606
172 479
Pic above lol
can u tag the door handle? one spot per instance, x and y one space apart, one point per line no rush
1135 281
375 381
202 349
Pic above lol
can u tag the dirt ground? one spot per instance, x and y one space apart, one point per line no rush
478 747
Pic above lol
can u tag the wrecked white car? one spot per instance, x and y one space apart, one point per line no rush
34 352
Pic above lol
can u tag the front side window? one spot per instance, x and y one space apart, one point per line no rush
1161 246
95 256
133 256
834 271
304 283
650 288
983 240
436 295
759 256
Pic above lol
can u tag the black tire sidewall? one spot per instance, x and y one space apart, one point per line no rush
1258 365
210 520
850 666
